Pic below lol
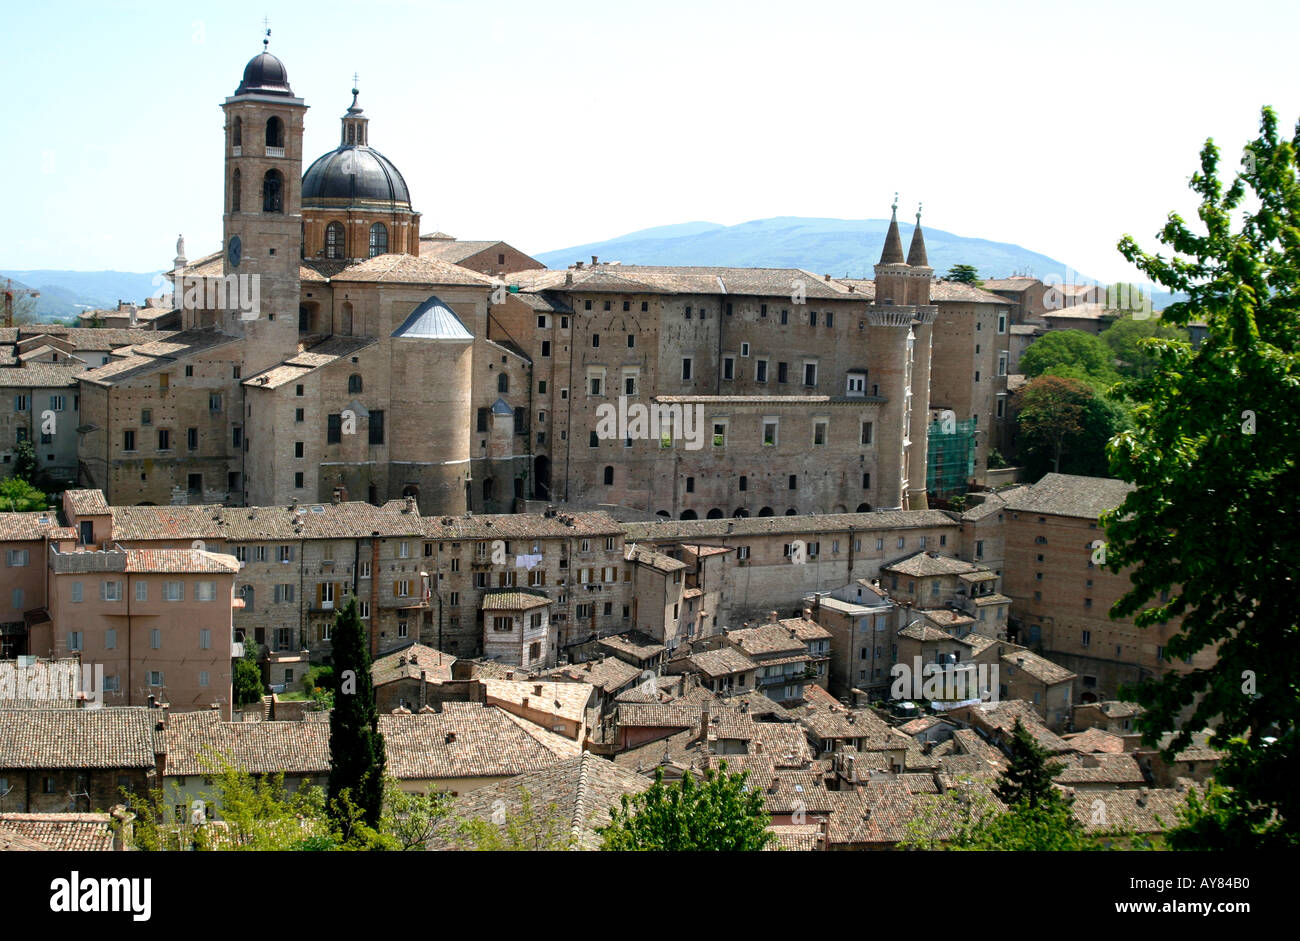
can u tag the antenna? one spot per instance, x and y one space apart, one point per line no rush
266 22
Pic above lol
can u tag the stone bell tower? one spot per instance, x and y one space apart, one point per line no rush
263 214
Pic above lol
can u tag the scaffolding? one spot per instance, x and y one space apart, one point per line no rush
951 457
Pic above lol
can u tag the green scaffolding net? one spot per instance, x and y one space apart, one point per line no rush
951 457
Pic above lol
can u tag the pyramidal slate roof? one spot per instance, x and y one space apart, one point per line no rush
892 254
433 320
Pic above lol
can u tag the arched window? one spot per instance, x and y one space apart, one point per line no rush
609 475
378 239
503 383
235 182
354 384
345 328
792 512
237 133
714 514
864 507
334 240
766 511
741 513
274 132
690 515
352 134
273 192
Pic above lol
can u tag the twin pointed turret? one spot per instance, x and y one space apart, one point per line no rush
899 280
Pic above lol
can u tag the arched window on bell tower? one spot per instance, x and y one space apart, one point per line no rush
334 240
274 132
235 183
237 133
378 239
273 192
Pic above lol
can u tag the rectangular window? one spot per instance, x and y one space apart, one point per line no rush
377 426
110 639
214 401
164 440
17 557
195 482
686 369
1002 323
782 372
728 367
141 591
155 678
173 591
283 593
155 638
74 592
334 428
203 674
546 347
205 639
192 438
110 591
205 591
1002 408
769 432
146 416
810 374
760 370
20 403
820 430
128 440
868 432
1002 363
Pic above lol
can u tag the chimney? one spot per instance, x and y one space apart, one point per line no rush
578 265
537 690
807 614
771 617
424 681
525 703
594 261
568 277
449 739
826 277
704 722
510 674
124 832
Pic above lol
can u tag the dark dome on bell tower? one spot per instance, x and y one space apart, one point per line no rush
265 75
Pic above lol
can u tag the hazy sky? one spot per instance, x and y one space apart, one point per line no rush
1057 126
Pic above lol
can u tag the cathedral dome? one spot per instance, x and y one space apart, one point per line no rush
265 75
353 174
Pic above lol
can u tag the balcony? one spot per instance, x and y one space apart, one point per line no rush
275 151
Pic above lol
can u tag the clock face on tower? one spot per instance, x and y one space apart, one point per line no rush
234 251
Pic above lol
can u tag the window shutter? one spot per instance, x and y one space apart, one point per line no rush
397 587
320 595
338 594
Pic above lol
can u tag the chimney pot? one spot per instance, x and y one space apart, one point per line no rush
450 738
594 261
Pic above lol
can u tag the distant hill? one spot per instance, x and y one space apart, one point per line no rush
840 247
67 293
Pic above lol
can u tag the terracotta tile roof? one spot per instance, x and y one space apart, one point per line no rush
686 530
924 564
109 737
296 748
608 675
410 269
12 840
925 633
299 365
1100 769
1040 668
565 700
765 640
1016 284
87 502
39 375
1001 718
45 684
512 600
75 832
521 526
1115 709
582 789
634 644
662 279
804 629
406 663
722 662
658 715
1140 810
33 525
655 560
1095 741
798 838
265 523
96 338
179 561
467 740
160 352
960 292
1070 495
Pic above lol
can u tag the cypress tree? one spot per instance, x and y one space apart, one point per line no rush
356 747
1028 778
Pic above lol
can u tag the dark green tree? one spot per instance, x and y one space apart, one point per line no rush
25 464
1126 339
1213 518
248 677
718 814
356 747
1064 426
1028 776
966 274
1070 348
